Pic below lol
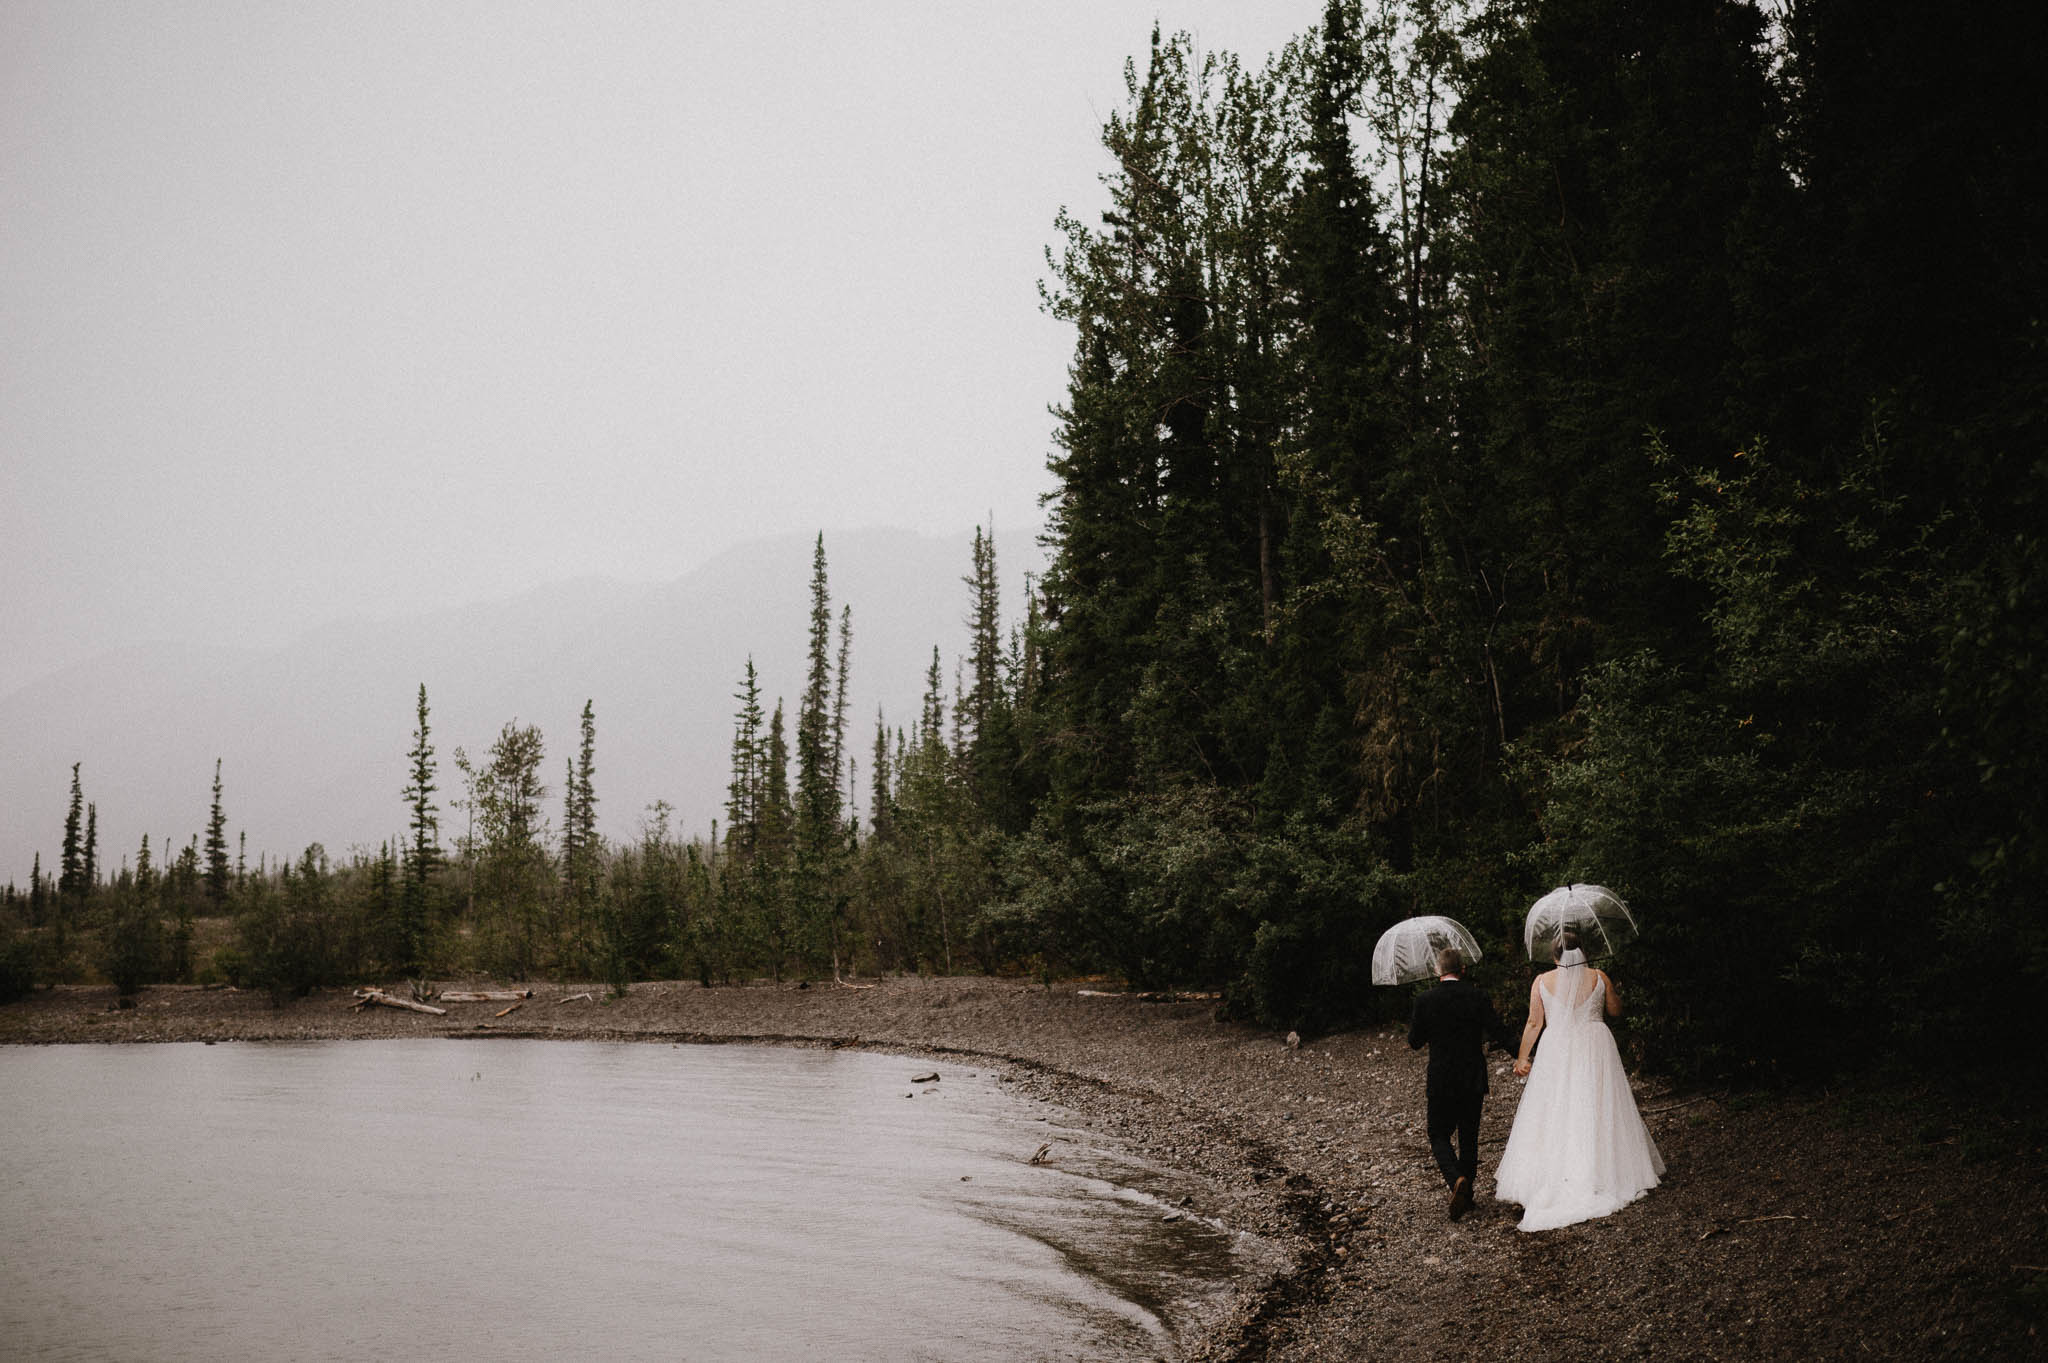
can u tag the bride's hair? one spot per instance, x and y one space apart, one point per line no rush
1567 940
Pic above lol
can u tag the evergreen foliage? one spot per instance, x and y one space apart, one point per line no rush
1506 442
583 856
133 947
90 871
1637 508
217 876
423 854
71 876
818 869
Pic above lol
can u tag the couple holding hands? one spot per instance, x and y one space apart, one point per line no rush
1578 1148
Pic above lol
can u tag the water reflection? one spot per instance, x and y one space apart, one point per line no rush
321 1200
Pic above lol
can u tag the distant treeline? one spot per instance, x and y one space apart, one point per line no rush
1506 444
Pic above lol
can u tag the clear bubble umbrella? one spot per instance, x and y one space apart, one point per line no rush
1407 951
1600 916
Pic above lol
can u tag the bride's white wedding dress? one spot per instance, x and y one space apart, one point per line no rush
1578 1148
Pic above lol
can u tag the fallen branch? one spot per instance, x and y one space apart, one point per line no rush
1673 1107
1143 995
484 995
1748 1221
364 1000
576 998
513 1009
849 984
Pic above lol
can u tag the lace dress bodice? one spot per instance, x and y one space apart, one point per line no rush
1573 1002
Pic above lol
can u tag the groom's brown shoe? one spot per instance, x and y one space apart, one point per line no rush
1461 1198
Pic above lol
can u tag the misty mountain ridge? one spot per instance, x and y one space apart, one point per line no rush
313 736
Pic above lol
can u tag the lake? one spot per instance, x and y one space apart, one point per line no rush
630 1200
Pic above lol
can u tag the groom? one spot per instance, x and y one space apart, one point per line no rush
1456 1020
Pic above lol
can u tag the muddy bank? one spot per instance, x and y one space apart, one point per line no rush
1843 1225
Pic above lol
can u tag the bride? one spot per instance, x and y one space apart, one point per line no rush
1578 1148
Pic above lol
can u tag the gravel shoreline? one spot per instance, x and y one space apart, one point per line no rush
1852 1224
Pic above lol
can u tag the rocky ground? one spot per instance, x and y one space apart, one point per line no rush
1857 1223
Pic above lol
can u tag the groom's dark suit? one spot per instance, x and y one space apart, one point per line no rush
1456 1020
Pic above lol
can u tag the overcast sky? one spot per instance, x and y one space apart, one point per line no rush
312 310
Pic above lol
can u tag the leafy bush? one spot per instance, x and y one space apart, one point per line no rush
1310 903
132 953
228 966
289 931
17 966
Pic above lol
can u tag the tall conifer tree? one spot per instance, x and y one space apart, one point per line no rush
71 869
91 868
217 849
816 748
744 793
423 850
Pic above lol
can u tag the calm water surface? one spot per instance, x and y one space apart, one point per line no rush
459 1199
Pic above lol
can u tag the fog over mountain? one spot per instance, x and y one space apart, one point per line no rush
312 737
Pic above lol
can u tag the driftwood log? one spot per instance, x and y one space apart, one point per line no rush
367 997
513 1009
484 995
1146 996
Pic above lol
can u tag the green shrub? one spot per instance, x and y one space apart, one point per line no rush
17 966
229 965
132 953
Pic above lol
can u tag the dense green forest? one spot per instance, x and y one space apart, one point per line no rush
1506 443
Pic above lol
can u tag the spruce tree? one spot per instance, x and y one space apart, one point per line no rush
881 795
217 849
1349 485
772 867
91 863
149 892
1598 200
816 750
744 794
586 789
839 684
423 851
379 906
572 855
132 952
183 890
582 853
777 811
71 869
985 641
820 838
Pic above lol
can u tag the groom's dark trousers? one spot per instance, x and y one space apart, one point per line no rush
1456 1020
